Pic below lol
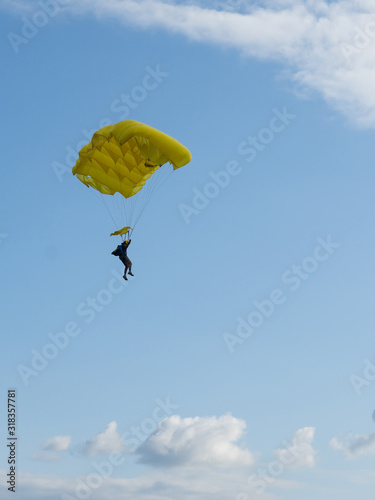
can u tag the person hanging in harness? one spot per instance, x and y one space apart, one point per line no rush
122 253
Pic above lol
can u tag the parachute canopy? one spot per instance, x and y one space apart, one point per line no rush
122 231
122 157
121 160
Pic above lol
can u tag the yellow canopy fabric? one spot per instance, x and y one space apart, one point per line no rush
122 231
122 157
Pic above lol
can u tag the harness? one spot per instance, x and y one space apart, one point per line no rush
123 250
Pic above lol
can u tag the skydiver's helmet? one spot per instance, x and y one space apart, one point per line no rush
126 241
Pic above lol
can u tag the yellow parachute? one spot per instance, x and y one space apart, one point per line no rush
122 231
123 158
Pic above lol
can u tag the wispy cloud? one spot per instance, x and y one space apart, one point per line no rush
324 47
181 484
17 6
354 445
52 449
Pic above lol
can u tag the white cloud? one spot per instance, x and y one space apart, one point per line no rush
104 443
57 443
298 453
355 445
51 449
211 465
327 47
198 440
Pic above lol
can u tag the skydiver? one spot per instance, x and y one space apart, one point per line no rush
122 253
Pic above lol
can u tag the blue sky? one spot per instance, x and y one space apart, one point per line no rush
239 362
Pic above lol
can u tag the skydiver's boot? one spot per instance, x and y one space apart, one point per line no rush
125 278
131 274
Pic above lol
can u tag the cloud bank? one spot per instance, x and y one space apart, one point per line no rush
195 457
161 485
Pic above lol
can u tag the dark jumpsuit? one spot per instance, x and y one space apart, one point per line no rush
124 257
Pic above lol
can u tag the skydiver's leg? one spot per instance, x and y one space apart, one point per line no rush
128 264
130 267
126 268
